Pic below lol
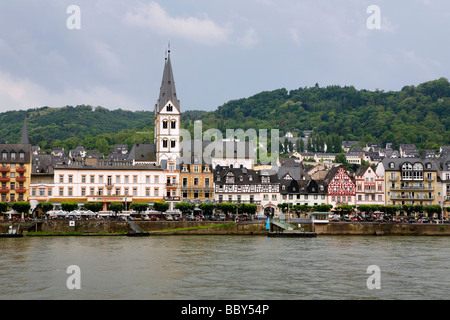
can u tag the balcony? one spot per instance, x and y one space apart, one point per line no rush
172 199
4 190
21 169
21 179
5 169
413 188
172 185
109 185
407 197
20 190
197 187
5 179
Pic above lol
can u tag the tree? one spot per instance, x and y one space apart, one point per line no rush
45 206
3 207
322 207
161 206
21 207
248 208
227 208
93 206
186 208
207 208
69 206
139 207
116 207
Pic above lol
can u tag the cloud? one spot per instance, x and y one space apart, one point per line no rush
19 94
153 16
249 38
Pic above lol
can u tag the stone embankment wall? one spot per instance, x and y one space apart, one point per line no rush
192 228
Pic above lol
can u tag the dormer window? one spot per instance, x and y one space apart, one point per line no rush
4 155
21 155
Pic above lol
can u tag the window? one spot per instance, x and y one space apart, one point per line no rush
147 179
165 144
61 192
135 179
126 179
70 192
13 155
195 181
156 192
100 191
33 192
207 182
169 108
92 191
61 179
147 192
83 192
173 143
49 192
134 192
4 155
173 125
100 179
92 179
22 155
70 179
42 192
117 179
156 179
165 124
83 179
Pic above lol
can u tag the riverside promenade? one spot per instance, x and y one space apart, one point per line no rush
118 228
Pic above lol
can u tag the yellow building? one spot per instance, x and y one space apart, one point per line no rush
411 181
15 172
196 182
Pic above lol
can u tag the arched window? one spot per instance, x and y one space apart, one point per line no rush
173 124
173 143
165 124
418 166
165 143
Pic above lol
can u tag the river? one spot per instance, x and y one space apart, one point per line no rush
225 268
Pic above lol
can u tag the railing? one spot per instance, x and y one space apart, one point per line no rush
411 198
4 190
21 169
5 169
413 188
5 179
21 190
171 199
171 184
21 179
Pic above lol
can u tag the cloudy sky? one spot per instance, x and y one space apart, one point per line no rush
221 50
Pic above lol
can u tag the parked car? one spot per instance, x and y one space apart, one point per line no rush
169 217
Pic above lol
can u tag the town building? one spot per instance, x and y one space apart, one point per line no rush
369 187
411 181
341 188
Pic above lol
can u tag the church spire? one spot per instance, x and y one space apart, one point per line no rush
25 138
168 91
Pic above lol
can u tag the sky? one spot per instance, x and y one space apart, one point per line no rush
111 53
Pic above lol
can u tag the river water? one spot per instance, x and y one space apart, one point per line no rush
225 268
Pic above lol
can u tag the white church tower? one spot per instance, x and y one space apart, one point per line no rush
167 118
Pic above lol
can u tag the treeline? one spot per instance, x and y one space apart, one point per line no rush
415 114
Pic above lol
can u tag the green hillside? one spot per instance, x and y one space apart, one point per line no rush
416 114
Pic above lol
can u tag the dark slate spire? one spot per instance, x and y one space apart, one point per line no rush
25 138
168 91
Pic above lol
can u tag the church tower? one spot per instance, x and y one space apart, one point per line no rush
167 118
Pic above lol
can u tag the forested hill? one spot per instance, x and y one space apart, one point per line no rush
416 114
